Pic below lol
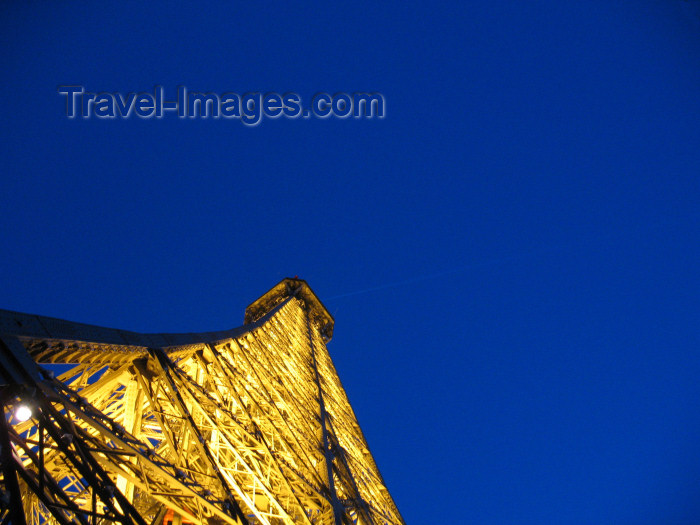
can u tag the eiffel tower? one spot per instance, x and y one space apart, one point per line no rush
245 426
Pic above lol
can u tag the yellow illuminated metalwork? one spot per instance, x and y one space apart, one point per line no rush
246 426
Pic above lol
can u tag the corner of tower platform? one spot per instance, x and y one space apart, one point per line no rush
298 288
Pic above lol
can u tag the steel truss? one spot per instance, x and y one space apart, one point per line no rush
249 426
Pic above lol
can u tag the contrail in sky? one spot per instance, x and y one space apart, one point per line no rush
419 278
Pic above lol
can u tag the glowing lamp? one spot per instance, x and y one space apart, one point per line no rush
23 413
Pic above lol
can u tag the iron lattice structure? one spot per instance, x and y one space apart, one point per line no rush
245 426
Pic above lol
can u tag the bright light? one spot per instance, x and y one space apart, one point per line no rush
23 413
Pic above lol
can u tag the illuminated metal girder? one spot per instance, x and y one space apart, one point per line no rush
250 425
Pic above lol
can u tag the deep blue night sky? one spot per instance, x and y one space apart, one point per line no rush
511 255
